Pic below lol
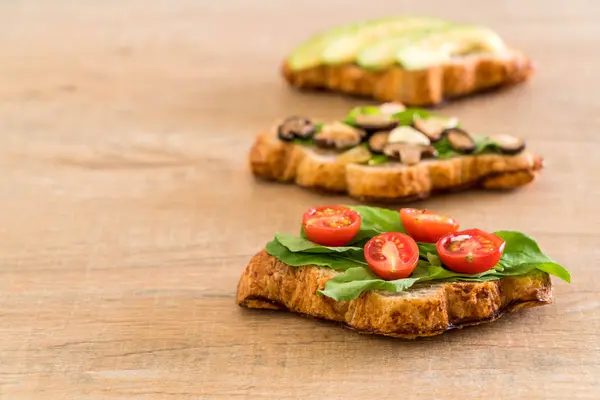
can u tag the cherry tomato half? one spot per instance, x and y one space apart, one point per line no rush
331 225
392 255
425 226
471 251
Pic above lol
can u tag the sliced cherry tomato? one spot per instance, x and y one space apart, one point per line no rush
392 255
425 226
471 251
331 225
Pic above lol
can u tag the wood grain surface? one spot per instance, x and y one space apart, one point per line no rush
127 211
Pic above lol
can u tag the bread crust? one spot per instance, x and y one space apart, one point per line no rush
463 76
285 162
423 310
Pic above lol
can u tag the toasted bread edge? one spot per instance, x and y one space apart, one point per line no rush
285 162
464 76
423 310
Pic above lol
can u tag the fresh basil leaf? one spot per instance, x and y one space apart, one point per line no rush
485 145
434 260
378 159
555 269
428 272
408 116
482 145
426 248
405 117
376 220
363 110
302 142
301 244
444 149
521 256
403 284
354 281
520 248
520 269
340 261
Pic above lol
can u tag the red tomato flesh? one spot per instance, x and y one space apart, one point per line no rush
331 225
425 226
392 255
471 251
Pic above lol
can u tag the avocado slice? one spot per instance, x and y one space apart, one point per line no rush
440 47
382 53
345 46
308 54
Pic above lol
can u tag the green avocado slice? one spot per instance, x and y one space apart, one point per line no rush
345 46
308 54
439 48
382 53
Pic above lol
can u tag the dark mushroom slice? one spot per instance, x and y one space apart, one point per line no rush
371 123
295 127
406 153
460 140
338 136
434 127
508 144
377 142
428 152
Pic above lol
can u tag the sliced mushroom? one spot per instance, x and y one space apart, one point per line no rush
460 140
407 134
337 135
391 108
406 153
295 127
428 152
375 122
434 127
377 141
508 144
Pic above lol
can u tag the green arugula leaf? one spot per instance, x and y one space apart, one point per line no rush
335 261
301 244
354 281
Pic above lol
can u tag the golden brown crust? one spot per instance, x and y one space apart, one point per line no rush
423 310
464 76
273 159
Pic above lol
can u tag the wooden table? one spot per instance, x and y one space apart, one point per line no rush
128 212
